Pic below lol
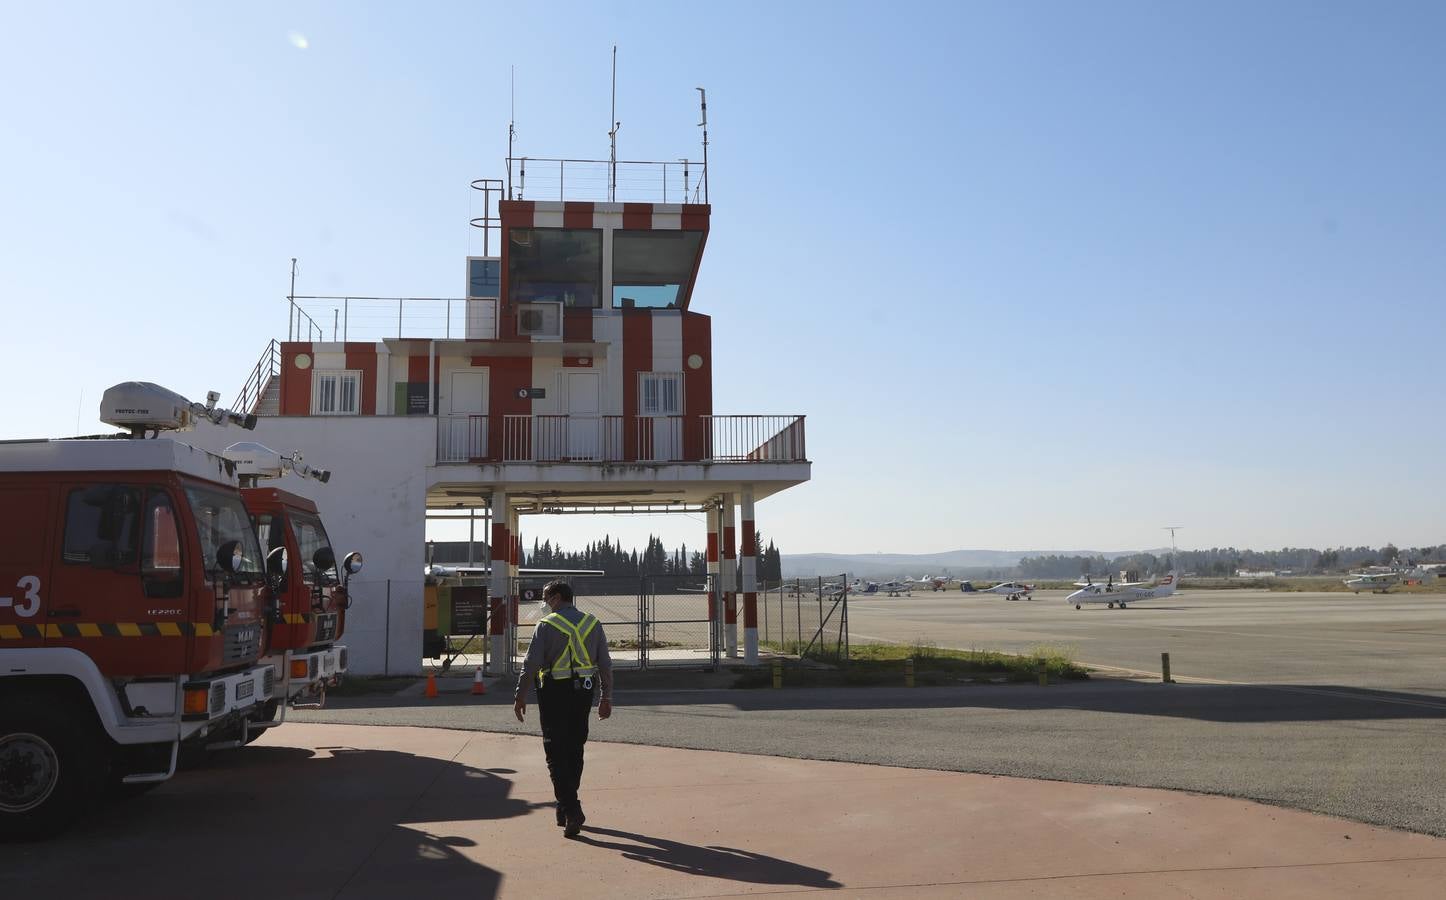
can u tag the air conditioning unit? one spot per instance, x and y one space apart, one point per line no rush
540 320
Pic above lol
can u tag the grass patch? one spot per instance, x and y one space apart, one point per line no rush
635 644
883 665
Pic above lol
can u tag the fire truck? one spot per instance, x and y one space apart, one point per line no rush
307 600
132 605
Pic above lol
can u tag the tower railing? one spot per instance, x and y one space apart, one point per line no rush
633 181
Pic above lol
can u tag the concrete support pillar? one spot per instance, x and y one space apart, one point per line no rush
749 559
514 579
499 609
729 575
715 582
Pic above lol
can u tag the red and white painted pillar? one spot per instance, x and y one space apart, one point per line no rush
514 582
499 608
715 583
750 579
728 572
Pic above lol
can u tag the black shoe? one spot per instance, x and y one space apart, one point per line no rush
574 824
561 817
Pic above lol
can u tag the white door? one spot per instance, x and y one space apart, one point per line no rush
584 422
466 423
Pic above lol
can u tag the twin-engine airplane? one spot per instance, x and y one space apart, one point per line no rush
890 588
1111 594
932 582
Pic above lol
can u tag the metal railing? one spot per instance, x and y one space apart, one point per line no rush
604 439
753 439
634 181
266 368
375 318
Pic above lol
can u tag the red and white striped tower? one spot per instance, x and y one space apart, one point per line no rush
729 574
750 579
499 608
715 583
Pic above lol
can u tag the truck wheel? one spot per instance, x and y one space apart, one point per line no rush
50 770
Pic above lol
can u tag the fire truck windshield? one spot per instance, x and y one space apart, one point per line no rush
311 537
220 519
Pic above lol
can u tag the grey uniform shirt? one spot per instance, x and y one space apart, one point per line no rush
548 644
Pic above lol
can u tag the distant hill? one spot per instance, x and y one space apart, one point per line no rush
957 562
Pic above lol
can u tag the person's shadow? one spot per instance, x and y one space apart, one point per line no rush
713 862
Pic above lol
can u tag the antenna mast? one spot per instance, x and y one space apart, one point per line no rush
511 128
703 99
1175 551
613 135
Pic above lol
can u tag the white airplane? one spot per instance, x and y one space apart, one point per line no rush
890 588
1380 579
1111 594
932 582
1010 590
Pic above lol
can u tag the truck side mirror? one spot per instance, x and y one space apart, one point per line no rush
276 563
228 556
352 563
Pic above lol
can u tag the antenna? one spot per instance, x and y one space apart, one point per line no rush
703 101
1174 551
511 128
613 135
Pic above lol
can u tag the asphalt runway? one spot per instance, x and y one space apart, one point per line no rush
1394 642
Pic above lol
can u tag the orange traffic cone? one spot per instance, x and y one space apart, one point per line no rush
478 688
431 685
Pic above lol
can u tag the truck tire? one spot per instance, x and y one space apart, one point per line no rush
51 769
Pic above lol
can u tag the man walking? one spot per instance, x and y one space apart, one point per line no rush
569 659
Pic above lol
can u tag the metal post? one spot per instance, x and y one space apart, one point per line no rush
1165 669
334 315
345 317
909 672
1043 669
777 673
387 651
291 298
399 318
449 315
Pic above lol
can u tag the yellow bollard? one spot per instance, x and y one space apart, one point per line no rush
909 672
1043 670
777 673
1165 669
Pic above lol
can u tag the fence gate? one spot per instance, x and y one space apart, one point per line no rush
650 622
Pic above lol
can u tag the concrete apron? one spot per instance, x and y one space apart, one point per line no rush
361 812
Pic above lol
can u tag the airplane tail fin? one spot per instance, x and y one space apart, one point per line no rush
1167 585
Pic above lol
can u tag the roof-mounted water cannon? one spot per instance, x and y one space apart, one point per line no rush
140 406
256 461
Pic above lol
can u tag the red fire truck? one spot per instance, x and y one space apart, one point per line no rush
131 608
308 599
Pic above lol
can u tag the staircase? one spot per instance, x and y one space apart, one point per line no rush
261 394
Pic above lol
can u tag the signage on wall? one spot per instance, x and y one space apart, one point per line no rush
531 393
417 399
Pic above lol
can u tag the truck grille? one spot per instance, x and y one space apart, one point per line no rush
242 643
268 680
218 697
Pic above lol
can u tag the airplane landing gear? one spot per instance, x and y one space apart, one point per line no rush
1076 606
1122 604
1110 605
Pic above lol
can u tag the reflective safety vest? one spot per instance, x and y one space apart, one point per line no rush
574 661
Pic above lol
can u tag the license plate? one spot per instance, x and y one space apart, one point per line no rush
245 689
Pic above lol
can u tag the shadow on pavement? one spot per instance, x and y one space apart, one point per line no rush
263 819
711 862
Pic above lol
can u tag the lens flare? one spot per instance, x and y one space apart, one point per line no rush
298 40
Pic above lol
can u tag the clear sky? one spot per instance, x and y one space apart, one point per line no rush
1041 275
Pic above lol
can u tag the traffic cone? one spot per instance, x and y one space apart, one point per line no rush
431 686
478 688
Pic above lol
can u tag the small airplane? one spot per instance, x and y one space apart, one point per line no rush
889 588
1380 579
1010 590
1111 594
932 582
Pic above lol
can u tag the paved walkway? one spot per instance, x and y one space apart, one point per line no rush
394 812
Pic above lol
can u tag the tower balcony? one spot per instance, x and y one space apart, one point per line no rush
605 439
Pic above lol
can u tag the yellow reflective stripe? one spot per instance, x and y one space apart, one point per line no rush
53 631
574 657
10 632
89 630
129 629
169 629
203 629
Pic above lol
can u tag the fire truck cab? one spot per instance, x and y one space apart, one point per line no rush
131 608
307 597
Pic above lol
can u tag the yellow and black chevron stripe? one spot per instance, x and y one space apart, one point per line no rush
296 618
107 630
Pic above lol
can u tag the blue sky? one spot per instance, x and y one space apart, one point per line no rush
1040 274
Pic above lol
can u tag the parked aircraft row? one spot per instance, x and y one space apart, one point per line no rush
1380 579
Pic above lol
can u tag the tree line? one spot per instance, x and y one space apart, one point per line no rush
607 555
1226 561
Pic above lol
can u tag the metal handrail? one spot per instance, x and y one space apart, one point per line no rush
266 368
601 181
561 438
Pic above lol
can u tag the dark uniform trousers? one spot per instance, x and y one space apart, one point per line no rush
564 709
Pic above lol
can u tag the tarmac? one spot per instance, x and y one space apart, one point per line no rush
346 811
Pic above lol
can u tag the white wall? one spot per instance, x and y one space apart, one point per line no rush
375 502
